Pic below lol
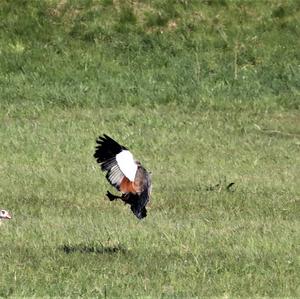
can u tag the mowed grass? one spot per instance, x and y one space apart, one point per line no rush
210 100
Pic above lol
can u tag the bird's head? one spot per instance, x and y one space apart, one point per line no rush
4 215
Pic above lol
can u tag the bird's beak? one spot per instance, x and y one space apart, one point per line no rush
8 216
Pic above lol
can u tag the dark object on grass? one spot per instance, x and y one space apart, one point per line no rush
125 174
98 249
229 187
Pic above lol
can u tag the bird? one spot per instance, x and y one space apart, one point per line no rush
125 173
4 215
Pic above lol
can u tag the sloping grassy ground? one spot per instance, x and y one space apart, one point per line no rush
205 93
194 53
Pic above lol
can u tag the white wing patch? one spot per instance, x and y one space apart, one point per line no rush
127 164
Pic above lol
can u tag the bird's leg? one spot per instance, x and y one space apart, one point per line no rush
112 197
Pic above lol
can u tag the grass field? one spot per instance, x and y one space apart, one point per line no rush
204 93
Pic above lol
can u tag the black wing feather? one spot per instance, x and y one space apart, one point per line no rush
107 149
105 154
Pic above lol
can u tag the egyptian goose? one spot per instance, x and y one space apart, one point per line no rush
125 174
4 215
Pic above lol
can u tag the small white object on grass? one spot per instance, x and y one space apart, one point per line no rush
4 215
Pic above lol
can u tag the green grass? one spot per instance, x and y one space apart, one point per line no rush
204 93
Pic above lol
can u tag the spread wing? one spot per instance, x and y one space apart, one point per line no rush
118 161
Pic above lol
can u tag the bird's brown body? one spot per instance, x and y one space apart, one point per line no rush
127 186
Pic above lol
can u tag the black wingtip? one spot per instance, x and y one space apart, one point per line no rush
106 148
102 138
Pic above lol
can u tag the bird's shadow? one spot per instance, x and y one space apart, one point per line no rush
95 249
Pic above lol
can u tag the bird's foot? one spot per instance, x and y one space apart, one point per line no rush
111 197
